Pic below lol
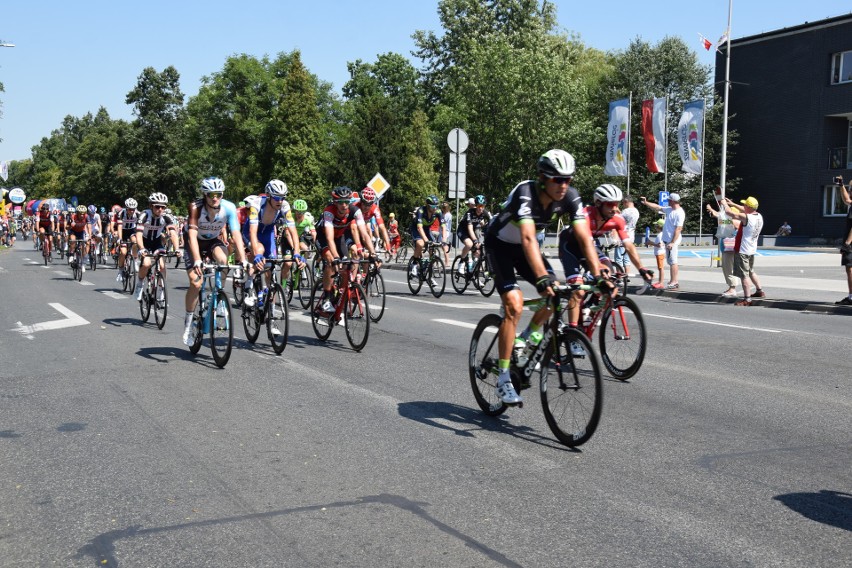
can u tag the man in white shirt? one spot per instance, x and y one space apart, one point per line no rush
751 224
672 229
631 217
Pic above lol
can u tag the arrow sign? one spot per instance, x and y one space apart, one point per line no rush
70 320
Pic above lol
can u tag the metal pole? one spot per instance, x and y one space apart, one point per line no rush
701 201
666 146
727 94
629 131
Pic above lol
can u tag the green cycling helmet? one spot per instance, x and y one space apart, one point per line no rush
300 205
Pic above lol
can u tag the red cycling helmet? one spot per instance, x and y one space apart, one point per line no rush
368 196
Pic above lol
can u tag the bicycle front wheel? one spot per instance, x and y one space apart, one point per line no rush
145 302
622 339
376 295
437 277
357 317
161 302
306 282
482 363
131 276
239 290
415 282
320 321
277 318
483 279
457 279
221 330
197 327
571 388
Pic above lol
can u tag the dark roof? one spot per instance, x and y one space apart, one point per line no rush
807 26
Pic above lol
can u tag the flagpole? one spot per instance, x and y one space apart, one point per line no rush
703 152
727 94
629 133
666 146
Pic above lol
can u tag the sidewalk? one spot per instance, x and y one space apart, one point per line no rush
795 279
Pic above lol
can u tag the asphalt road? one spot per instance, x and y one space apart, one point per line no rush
731 447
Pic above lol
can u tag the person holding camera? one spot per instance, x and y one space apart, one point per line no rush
846 247
672 229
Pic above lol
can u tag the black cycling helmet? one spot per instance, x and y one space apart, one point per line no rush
341 193
556 163
432 201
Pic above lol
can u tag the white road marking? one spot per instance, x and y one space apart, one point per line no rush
736 326
85 283
70 320
464 324
62 273
114 295
466 306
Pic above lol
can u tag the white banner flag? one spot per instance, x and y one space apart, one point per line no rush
618 138
4 170
690 136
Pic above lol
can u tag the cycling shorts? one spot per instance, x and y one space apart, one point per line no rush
504 259
80 235
205 249
343 243
152 244
571 256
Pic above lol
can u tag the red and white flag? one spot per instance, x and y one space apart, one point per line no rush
705 42
654 132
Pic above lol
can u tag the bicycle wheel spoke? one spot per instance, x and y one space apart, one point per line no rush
482 365
622 339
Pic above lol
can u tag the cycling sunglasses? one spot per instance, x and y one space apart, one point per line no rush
561 179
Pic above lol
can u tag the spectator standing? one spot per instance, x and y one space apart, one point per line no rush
727 232
751 223
631 217
448 231
846 248
659 249
672 229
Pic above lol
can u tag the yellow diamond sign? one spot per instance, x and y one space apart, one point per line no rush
378 184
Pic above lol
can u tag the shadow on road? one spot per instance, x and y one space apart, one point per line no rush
469 420
828 507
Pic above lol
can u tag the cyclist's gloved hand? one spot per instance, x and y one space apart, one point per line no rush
603 283
336 261
298 258
544 285
160 251
373 258
258 258
143 252
648 275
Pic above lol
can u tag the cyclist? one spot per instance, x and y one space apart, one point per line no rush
470 228
339 231
94 220
204 236
424 217
60 233
304 224
46 223
153 223
79 228
603 218
125 230
265 213
372 214
511 245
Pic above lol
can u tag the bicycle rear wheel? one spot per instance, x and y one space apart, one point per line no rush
571 388
459 281
161 301
131 275
321 322
482 363
483 279
145 302
238 290
198 327
437 277
622 339
356 315
277 318
221 330
306 282
251 322
376 295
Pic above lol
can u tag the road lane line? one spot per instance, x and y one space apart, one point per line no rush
720 324
114 295
70 320
467 306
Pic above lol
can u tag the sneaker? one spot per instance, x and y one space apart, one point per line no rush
275 330
506 392
119 277
759 294
433 283
250 300
189 335
413 271
577 350
672 286
327 306
729 293
847 301
657 286
140 289
743 303
84 268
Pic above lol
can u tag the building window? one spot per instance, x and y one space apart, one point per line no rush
832 203
841 68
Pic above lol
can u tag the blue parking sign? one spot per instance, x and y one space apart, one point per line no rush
664 199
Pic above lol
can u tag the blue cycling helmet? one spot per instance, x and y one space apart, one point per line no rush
432 201
103 210
479 200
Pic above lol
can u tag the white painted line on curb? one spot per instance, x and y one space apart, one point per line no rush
736 326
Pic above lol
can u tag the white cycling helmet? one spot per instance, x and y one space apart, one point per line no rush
608 192
276 188
556 163
130 203
253 201
158 198
212 185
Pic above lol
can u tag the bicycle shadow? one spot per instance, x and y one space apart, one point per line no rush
469 420
120 322
168 354
826 506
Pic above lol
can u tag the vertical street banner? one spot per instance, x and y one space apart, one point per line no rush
618 138
4 170
654 132
690 136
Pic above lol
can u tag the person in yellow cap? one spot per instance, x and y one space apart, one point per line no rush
751 223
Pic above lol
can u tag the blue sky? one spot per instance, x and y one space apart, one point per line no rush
74 57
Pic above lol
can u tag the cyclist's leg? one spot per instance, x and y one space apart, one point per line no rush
573 263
